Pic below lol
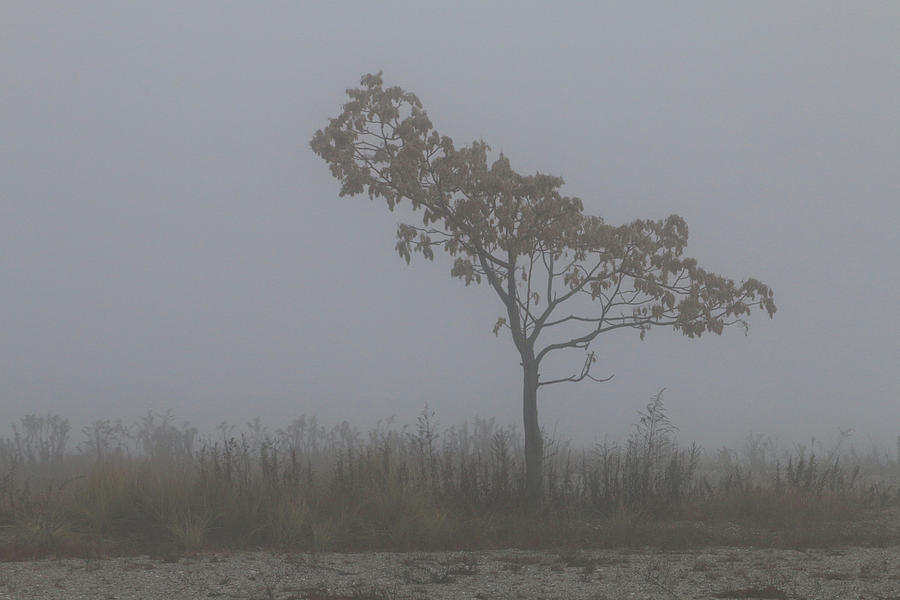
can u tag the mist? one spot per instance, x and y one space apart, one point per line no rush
170 242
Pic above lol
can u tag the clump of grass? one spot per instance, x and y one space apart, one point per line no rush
106 502
43 522
187 530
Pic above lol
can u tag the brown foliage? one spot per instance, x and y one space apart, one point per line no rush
512 229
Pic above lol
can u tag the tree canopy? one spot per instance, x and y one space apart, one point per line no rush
502 226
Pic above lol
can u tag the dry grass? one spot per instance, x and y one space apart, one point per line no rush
160 486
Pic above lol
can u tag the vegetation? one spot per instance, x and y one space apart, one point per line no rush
161 487
563 278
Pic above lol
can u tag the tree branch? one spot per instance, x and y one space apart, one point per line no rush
589 360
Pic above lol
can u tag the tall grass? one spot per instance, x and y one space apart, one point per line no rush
157 483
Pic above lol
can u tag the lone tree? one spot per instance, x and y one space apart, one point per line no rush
558 272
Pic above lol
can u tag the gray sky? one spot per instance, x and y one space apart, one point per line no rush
169 241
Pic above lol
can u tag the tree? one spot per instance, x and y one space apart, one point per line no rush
555 270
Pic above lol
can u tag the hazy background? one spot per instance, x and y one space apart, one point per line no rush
169 241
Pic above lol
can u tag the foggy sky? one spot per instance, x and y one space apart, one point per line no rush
169 241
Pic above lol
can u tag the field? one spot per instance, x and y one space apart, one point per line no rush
161 489
154 509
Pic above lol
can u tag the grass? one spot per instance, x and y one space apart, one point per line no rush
160 485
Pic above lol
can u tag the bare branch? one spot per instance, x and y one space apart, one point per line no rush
589 360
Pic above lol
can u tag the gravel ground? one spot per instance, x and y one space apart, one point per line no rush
839 573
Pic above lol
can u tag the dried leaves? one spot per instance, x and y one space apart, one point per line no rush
499 224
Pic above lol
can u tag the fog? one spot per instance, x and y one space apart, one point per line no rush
168 240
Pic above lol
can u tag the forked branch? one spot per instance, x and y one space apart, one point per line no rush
589 360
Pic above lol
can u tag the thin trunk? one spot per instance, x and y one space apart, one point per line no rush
534 444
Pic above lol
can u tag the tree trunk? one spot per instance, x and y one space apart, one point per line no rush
534 444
